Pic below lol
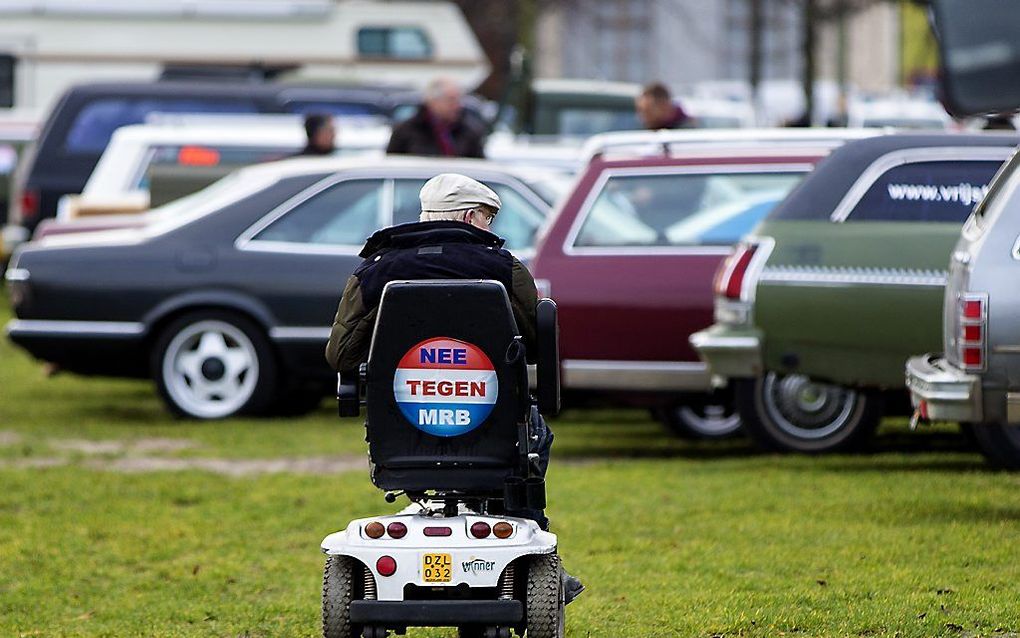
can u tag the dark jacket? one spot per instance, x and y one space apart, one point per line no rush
417 135
455 251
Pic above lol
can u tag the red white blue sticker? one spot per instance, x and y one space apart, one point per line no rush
445 387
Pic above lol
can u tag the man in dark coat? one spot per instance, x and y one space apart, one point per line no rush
657 110
439 127
321 135
456 212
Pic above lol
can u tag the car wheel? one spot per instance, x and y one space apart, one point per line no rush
545 602
714 417
792 413
212 365
999 443
338 590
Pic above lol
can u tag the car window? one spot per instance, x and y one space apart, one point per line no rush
517 222
206 155
939 191
95 123
401 43
345 213
589 121
681 209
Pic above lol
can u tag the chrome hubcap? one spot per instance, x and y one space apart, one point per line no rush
210 369
714 419
806 409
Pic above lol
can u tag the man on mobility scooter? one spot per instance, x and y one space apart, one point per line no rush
450 424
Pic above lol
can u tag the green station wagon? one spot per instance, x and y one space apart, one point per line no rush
820 307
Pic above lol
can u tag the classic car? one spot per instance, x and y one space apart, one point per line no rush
226 297
977 379
629 259
819 308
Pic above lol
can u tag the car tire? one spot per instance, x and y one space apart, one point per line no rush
296 402
213 365
545 617
708 418
338 590
1000 444
795 414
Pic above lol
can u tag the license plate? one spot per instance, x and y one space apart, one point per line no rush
436 568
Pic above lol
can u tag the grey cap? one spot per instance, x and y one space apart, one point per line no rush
451 191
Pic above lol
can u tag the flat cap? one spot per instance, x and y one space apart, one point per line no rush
451 191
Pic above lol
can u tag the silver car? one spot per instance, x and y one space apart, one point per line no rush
977 379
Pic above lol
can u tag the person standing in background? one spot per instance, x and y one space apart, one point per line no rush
321 135
439 126
657 110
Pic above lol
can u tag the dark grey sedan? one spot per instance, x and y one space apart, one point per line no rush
225 297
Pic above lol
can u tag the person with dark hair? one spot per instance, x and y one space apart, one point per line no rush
657 110
439 127
321 133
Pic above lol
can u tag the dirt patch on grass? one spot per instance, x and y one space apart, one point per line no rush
232 467
8 438
136 446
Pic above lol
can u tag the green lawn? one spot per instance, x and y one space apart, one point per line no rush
917 538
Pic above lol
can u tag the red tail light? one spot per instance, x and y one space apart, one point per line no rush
481 529
396 530
29 205
386 566
729 280
973 309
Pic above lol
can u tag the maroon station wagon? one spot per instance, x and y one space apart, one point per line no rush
630 258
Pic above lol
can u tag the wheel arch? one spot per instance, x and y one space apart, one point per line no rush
224 300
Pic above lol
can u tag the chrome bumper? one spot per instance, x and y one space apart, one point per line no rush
942 392
729 353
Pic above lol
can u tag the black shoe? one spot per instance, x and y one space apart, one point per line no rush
572 587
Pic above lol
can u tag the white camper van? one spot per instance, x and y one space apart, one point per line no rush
47 45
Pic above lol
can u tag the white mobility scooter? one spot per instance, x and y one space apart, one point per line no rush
448 425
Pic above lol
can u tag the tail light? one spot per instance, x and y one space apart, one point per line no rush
29 205
437 531
396 530
375 529
729 279
973 330
503 529
386 566
481 529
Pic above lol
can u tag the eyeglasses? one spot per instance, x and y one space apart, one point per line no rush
489 217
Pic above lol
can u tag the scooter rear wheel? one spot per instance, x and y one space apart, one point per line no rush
338 590
545 597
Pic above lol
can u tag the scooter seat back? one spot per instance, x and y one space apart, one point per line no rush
446 387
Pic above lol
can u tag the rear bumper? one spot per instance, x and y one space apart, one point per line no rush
942 392
728 352
436 613
87 347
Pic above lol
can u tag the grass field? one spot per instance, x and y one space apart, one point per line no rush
118 520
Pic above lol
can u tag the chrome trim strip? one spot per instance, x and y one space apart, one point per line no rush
749 287
597 188
75 328
852 275
593 374
17 274
1011 349
299 333
912 156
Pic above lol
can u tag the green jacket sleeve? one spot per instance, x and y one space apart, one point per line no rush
351 334
523 301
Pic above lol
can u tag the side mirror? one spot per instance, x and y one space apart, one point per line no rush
548 358
979 43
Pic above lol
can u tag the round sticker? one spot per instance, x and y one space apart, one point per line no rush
445 387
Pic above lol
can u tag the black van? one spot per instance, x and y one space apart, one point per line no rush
79 128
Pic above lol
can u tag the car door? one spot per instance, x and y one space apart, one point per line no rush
850 298
300 256
631 265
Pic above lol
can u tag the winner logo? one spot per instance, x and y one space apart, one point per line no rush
445 387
